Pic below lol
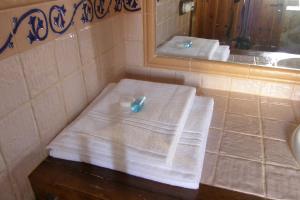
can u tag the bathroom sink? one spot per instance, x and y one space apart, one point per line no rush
289 62
295 143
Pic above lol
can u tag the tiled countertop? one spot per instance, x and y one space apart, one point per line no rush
247 147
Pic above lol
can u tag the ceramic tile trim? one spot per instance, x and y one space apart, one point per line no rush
50 18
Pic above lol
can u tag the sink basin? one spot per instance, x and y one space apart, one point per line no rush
295 143
290 62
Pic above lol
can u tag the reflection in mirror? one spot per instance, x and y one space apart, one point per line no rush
258 32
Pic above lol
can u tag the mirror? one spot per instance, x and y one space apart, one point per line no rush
256 32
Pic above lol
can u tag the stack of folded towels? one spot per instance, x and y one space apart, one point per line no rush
200 48
164 142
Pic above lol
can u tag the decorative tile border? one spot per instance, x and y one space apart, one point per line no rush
40 23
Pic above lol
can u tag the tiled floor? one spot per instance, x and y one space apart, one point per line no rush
247 147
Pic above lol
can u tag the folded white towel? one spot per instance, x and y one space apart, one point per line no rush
188 161
152 134
222 53
201 48
171 47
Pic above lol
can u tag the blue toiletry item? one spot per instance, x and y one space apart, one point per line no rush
188 44
138 104
185 44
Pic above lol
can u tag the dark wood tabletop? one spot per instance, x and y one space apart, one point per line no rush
66 180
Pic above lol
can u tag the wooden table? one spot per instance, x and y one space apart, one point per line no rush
66 180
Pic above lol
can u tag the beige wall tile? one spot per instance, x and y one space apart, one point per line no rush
119 61
240 175
279 112
162 75
188 78
119 55
296 108
296 93
278 90
242 124
243 107
134 54
273 100
244 146
243 96
67 54
214 140
74 94
21 170
12 85
246 86
277 129
213 93
282 183
18 133
140 73
107 60
209 167
40 68
218 119
133 26
87 44
220 103
279 153
118 29
93 79
50 113
104 35
6 188
216 82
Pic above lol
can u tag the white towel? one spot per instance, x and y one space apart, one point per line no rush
171 47
222 53
201 48
188 160
154 135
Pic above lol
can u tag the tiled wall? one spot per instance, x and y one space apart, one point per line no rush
45 85
169 22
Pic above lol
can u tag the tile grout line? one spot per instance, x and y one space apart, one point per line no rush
262 149
220 142
62 78
14 184
294 112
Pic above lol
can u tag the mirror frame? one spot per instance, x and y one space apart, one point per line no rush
151 59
